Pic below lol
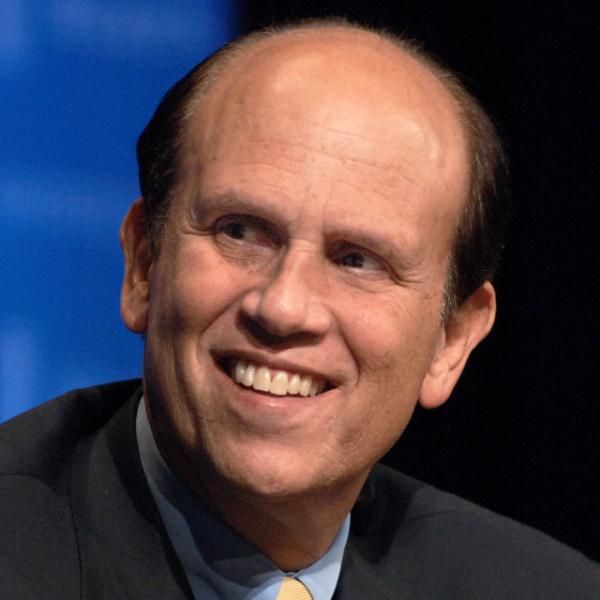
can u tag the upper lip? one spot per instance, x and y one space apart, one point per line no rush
274 363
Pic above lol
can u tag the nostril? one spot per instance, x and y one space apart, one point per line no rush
265 336
260 332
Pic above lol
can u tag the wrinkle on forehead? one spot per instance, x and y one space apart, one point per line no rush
343 63
307 146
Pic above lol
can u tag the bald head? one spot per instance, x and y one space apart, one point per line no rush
344 76
335 76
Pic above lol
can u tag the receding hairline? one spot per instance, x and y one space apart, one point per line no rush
243 52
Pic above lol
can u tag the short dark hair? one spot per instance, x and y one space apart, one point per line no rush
479 238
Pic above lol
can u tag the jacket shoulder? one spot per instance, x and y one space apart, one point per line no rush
40 442
40 553
409 530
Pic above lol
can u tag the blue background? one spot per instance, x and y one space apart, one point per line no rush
78 82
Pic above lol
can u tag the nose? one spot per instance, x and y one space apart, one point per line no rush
289 301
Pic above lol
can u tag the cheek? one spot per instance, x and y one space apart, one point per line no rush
390 336
392 347
195 295
198 302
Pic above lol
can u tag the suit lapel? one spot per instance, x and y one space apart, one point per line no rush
359 580
124 549
374 565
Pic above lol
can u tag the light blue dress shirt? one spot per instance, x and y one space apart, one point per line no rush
219 564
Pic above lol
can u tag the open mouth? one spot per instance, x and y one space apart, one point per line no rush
273 381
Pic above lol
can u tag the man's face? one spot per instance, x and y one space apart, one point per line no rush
309 241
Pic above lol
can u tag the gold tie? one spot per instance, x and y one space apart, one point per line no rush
292 589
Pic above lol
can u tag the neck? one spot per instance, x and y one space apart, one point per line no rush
294 531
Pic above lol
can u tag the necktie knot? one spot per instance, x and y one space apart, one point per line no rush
292 589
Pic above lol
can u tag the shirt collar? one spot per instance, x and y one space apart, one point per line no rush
217 561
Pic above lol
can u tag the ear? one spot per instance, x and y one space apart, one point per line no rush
135 292
469 324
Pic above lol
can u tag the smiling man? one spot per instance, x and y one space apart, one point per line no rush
311 257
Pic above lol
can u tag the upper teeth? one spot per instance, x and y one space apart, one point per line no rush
280 383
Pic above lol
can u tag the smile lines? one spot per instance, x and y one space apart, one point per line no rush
277 382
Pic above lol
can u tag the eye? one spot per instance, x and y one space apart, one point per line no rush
235 230
245 229
358 259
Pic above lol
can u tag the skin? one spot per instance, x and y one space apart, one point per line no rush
321 183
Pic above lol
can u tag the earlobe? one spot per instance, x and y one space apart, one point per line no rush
470 324
135 292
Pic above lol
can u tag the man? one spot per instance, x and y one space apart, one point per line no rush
311 258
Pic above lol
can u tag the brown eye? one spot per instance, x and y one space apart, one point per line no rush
359 260
353 259
239 228
235 230
246 230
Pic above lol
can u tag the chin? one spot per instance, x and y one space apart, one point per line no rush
268 473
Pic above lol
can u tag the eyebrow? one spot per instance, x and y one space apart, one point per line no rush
230 200
236 201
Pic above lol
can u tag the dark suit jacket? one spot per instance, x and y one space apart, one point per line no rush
77 520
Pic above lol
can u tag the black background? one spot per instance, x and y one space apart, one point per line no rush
520 434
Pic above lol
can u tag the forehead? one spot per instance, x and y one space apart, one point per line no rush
347 103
